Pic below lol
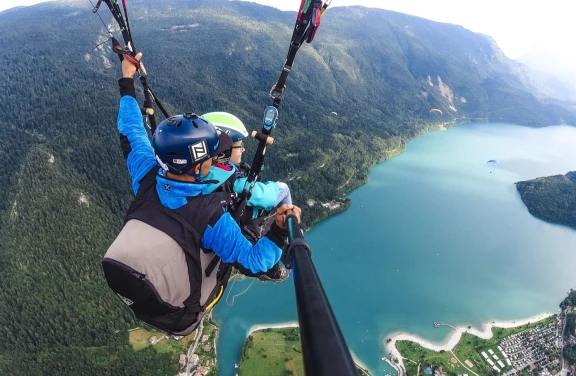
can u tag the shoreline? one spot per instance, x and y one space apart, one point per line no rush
389 154
287 324
294 324
450 342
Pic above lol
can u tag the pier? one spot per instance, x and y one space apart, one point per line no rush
437 325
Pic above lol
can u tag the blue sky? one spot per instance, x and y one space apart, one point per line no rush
516 25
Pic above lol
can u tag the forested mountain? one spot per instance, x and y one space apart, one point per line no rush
552 198
64 187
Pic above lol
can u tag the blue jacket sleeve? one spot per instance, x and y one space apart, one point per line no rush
226 240
264 195
140 154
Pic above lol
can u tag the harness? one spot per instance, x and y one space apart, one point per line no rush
182 224
185 226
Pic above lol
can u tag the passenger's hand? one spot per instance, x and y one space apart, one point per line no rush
283 211
129 68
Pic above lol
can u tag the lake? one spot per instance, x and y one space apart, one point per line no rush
438 234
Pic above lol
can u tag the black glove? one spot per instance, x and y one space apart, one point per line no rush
244 169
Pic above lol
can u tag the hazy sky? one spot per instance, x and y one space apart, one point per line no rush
516 25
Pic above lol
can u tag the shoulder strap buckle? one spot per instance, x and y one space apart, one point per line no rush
277 94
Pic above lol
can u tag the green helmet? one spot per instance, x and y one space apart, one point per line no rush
228 124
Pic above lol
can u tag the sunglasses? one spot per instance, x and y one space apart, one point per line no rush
239 147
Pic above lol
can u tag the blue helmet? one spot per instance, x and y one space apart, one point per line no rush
182 141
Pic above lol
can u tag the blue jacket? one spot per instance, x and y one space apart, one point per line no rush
264 195
224 237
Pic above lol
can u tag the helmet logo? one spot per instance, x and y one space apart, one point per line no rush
179 161
198 150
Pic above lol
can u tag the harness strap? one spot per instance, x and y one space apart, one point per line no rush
212 265
307 23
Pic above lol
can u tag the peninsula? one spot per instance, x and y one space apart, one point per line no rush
276 350
551 198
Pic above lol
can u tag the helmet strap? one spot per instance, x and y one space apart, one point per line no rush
199 177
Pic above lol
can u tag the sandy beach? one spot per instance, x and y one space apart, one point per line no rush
447 345
288 324
485 333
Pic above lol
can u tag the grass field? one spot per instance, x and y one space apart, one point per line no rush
272 352
170 346
415 354
469 348
139 339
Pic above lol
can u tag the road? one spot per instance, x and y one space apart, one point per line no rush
192 348
561 339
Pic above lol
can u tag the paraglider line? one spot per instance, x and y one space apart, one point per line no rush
237 295
99 44
103 23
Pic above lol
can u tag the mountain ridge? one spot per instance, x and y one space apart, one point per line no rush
380 71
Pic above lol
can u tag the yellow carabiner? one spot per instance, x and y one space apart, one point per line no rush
216 300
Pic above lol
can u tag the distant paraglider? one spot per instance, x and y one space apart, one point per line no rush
436 110
493 162
333 113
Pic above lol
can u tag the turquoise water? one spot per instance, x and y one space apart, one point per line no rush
436 235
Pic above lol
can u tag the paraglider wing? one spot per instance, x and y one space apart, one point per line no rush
333 113
492 161
436 110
